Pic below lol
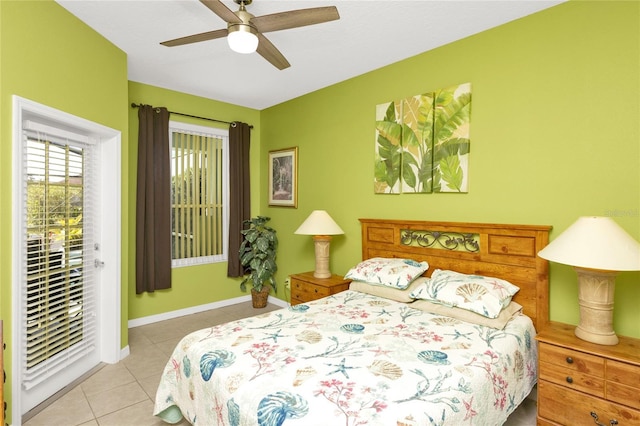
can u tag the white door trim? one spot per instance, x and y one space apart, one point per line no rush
109 299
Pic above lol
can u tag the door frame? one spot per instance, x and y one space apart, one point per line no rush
109 298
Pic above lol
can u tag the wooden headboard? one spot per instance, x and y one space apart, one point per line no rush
502 251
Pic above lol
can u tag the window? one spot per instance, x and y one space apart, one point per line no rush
199 194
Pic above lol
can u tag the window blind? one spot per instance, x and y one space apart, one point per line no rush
199 210
58 293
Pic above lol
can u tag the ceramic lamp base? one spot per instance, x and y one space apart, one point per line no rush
322 243
595 296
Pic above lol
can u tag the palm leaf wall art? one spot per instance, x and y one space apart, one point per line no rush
417 143
388 148
451 143
422 143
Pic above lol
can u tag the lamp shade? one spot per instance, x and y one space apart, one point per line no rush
595 243
319 223
242 39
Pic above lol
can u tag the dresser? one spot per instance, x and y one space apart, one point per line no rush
582 383
305 287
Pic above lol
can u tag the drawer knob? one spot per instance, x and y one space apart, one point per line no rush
595 420
569 360
569 379
316 290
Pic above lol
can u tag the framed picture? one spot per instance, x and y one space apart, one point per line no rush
283 177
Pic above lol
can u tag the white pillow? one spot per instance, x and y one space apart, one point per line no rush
486 296
499 323
390 272
391 293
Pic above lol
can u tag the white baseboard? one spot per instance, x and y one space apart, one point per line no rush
124 352
196 309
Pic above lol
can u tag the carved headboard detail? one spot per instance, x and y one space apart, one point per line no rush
503 251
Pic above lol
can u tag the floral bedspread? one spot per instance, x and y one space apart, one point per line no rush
349 359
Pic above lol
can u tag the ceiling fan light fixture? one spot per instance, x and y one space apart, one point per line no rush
244 31
242 38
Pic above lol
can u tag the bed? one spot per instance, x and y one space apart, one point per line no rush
373 357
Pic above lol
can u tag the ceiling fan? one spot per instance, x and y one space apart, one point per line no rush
244 31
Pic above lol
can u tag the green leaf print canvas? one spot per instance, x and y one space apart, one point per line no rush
422 143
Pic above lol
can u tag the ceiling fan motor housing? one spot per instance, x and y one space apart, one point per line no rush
246 24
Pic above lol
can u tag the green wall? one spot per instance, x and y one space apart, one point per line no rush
554 130
49 56
554 136
194 285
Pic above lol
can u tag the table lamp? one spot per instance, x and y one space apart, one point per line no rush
597 248
322 227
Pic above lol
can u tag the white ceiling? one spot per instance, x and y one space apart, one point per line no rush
369 34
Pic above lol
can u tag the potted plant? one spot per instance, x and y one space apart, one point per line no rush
258 257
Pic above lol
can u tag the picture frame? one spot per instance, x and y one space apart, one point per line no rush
283 177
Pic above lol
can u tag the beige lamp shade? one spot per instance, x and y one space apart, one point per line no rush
319 223
597 248
321 226
596 243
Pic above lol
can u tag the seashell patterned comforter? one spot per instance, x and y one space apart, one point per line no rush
349 359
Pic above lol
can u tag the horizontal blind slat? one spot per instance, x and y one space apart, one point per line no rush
57 295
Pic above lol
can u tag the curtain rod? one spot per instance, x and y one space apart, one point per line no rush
134 105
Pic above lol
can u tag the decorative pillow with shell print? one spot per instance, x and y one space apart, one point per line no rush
390 272
486 296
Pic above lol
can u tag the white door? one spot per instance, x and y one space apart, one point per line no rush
62 272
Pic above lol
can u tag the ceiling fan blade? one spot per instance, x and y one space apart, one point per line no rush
295 18
268 51
195 38
217 7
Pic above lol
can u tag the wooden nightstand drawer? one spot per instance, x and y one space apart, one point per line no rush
574 408
623 394
571 378
583 383
623 383
621 372
304 291
305 287
572 360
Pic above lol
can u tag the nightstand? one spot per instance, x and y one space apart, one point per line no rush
305 287
582 383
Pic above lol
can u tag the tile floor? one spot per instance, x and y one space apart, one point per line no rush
123 394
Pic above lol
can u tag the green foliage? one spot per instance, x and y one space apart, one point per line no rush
387 166
416 143
71 232
452 113
55 210
389 152
451 171
420 142
258 254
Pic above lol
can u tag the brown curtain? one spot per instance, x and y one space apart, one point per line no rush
239 192
153 208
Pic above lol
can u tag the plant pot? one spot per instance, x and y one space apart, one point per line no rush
259 298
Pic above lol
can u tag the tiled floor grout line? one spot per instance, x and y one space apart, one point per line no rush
84 394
